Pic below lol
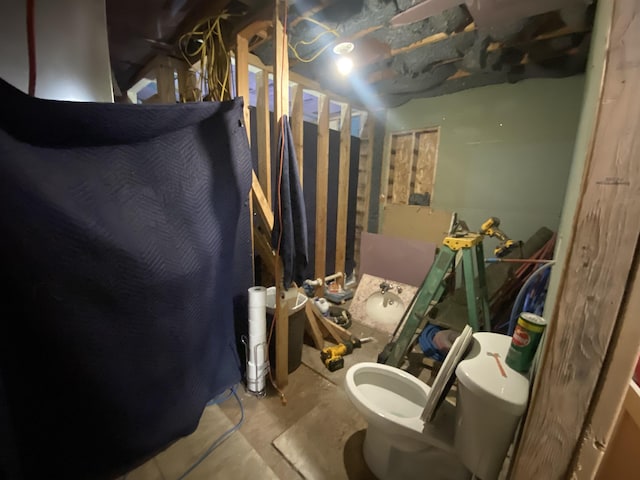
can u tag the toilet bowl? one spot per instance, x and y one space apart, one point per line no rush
471 437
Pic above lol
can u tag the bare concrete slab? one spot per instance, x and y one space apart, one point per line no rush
235 458
322 445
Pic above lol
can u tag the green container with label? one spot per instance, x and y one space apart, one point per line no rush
525 341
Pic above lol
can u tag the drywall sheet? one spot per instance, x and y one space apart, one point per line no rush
393 258
416 222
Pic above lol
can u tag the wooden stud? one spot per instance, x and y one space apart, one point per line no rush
281 108
343 189
297 127
263 122
165 80
262 204
621 457
281 69
364 183
602 253
322 186
624 349
305 82
312 327
242 78
370 136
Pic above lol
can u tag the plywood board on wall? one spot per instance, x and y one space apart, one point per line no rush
416 222
412 165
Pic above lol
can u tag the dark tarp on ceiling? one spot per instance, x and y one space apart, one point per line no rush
125 251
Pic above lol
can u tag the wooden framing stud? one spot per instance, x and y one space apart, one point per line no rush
263 122
597 278
242 78
322 186
343 189
297 126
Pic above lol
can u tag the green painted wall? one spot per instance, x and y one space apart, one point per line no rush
505 150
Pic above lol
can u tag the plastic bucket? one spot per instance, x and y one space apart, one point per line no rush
296 328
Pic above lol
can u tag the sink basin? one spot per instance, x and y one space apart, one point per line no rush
385 307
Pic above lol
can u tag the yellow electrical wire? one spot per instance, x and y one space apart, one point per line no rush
294 48
215 61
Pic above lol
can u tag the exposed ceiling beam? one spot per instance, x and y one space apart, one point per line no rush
308 13
436 37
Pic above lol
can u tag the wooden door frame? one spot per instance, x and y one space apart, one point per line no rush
592 340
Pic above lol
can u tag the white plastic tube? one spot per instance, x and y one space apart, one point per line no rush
257 353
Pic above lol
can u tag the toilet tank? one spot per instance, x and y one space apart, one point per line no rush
491 400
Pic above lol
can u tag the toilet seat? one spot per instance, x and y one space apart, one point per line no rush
444 379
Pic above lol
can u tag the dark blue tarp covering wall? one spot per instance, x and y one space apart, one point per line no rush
124 252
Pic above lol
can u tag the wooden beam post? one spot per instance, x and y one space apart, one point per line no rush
343 189
263 122
242 78
297 127
365 165
281 107
595 282
166 83
322 186
607 406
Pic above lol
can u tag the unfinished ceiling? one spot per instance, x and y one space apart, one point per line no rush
403 48
435 51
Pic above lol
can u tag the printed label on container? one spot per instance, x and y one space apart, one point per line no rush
520 337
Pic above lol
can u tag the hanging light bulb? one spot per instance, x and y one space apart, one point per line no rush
345 65
344 62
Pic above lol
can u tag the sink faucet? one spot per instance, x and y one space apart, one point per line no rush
385 287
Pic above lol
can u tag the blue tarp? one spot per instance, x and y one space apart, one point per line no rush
118 238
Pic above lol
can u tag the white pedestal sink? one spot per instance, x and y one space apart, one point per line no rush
385 308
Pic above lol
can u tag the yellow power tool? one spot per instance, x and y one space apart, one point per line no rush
491 228
332 357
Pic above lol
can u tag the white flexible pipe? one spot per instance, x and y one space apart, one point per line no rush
257 355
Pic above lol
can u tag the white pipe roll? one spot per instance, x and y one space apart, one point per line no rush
257 358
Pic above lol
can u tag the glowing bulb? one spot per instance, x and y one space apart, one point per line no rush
345 65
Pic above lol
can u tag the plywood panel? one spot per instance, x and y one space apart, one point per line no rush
402 162
426 157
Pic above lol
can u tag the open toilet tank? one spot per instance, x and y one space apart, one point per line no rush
471 437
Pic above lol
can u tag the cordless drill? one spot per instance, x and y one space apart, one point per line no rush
491 228
333 356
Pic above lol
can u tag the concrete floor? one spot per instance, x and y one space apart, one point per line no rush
317 435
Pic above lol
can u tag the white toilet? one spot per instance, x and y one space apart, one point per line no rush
471 438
